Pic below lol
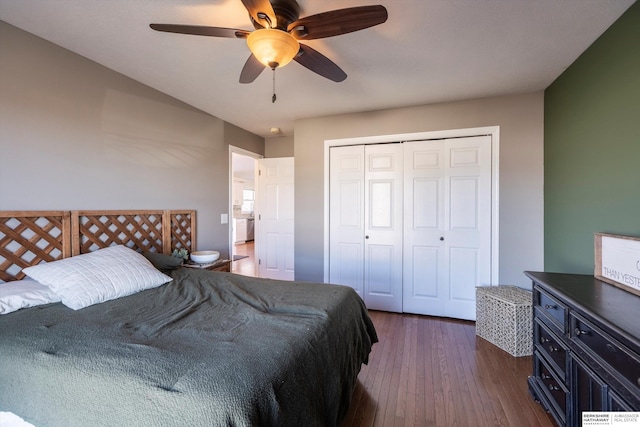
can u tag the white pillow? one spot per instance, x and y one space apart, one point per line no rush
99 276
24 293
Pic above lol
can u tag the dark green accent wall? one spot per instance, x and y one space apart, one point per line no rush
592 148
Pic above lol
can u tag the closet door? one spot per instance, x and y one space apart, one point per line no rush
346 217
365 222
425 271
447 225
383 227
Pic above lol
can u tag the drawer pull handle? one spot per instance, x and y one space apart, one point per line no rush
579 332
553 387
552 349
546 377
544 340
550 306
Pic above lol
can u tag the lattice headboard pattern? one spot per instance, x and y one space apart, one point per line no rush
29 238
183 232
143 230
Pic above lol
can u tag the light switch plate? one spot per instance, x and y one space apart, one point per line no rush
224 218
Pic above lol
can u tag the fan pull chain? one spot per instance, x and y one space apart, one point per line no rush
273 98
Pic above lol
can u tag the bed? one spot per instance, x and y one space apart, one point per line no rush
205 349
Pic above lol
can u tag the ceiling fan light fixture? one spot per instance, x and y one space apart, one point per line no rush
273 48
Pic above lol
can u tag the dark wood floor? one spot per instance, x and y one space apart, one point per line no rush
428 371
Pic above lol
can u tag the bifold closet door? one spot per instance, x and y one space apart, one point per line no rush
346 217
383 227
365 223
410 224
447 225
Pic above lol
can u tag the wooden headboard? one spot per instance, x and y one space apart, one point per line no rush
145 231
31 237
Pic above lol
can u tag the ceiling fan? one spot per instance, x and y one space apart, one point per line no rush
279 30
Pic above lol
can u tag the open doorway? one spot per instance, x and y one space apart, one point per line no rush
242 169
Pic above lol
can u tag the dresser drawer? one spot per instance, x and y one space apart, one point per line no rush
617 404
551 308
551 347
552 387
615 354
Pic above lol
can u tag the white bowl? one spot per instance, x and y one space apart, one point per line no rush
204 257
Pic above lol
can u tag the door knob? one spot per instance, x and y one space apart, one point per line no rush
441 239
366 237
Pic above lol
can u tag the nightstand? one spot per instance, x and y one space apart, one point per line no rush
223 265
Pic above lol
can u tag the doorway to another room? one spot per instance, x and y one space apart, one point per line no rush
242 196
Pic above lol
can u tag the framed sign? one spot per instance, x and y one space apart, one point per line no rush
618 261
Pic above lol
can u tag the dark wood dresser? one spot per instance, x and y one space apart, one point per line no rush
586 346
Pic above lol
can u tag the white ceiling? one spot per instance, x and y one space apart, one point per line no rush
428 51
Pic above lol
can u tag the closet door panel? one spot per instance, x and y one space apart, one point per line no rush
463 205
468 221
460 278
424 221
348 256
346 217
379 270
425 262
447 209
383 227
380 209
426 215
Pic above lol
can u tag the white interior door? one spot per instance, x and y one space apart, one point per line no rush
383 227
365 222
346 217
447 221
424 218
274 223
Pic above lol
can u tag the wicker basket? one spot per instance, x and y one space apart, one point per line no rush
504 318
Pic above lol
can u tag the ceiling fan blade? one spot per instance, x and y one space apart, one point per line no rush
251 70
198 30
320 64
336 22
262 12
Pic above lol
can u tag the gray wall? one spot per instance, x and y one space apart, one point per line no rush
238 137
76 135
520 118
279 147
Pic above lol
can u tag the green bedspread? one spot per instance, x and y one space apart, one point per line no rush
207 349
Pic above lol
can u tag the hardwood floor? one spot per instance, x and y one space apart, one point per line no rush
245 266
428 371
